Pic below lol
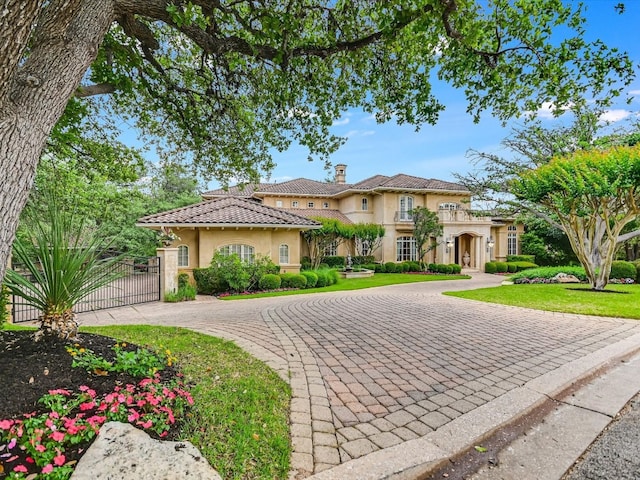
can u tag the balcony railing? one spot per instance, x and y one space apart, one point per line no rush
403 216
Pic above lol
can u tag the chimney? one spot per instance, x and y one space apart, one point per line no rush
341 174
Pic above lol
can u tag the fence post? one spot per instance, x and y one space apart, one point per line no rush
9 305
168 270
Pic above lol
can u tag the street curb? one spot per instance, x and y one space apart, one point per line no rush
420 457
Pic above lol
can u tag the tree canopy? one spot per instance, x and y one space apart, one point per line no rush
426 226
223 84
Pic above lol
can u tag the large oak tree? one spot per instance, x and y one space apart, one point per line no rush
222 83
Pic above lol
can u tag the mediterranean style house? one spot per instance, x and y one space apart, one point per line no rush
269 218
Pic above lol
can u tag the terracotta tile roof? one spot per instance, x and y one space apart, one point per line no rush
302 186
227 211
324 213
234 191
403 181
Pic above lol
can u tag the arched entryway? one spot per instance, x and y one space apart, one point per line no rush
466 251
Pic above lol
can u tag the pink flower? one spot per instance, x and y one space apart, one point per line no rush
20 468
12 443
40 448
133 416
87 406
89 391
59 460
147 424
47 469
145 381
30 460
60 391
6 424
57 436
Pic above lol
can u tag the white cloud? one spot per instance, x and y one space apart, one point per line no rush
341 121
358 133
547 109
615 115
634 92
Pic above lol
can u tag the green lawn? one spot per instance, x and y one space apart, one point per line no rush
378 280
563 298
240 418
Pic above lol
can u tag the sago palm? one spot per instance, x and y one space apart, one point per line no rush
62 265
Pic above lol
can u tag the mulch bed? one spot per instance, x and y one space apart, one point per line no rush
29 369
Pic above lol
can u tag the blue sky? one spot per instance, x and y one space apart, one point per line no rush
440 150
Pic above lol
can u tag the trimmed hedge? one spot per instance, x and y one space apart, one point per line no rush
337 261
521 265
312 278
413 267
270 281
521 258
622 269
502 267
390 267
490 267
323 278
456 269
334 277
293 280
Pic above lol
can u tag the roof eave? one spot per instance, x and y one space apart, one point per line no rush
227 225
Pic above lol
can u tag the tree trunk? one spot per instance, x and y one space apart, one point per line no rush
34 93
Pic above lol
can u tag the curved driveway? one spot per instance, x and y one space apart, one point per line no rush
373 368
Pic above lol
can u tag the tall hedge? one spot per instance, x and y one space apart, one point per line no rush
622 269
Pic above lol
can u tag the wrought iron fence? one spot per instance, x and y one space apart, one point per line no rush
140 283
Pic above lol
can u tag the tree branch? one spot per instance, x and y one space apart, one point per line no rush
628 236
97 89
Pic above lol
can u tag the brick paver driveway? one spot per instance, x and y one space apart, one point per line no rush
373 368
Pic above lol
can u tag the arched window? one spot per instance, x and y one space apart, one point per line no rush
245 252
406 249
406 205
365 204
284 254
183 256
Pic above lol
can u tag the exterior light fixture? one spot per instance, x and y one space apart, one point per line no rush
490 244
450 243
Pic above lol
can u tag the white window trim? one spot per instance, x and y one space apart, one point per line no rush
181 257
280 256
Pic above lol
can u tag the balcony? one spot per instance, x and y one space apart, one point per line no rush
403 217
460 216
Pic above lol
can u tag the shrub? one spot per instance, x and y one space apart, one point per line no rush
337 261
490 267
312 278
390 267
522 265
512 267
334 276
207 282
501 267
622 269
305 266
323 278
521 258
369 266
405 267
298 281
455 268
286 280
548 273
380 268
323 266
269 281
414 267
183 280
637 264
431 267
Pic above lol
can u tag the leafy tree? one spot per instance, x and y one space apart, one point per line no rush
368 238
333 232
594 195
63 265
426 227
222 84
546 242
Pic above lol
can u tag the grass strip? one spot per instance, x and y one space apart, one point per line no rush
615 301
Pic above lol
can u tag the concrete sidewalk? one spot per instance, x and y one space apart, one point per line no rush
392 382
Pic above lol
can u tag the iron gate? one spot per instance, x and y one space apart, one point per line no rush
140 283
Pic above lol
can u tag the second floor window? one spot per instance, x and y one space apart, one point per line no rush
406 205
